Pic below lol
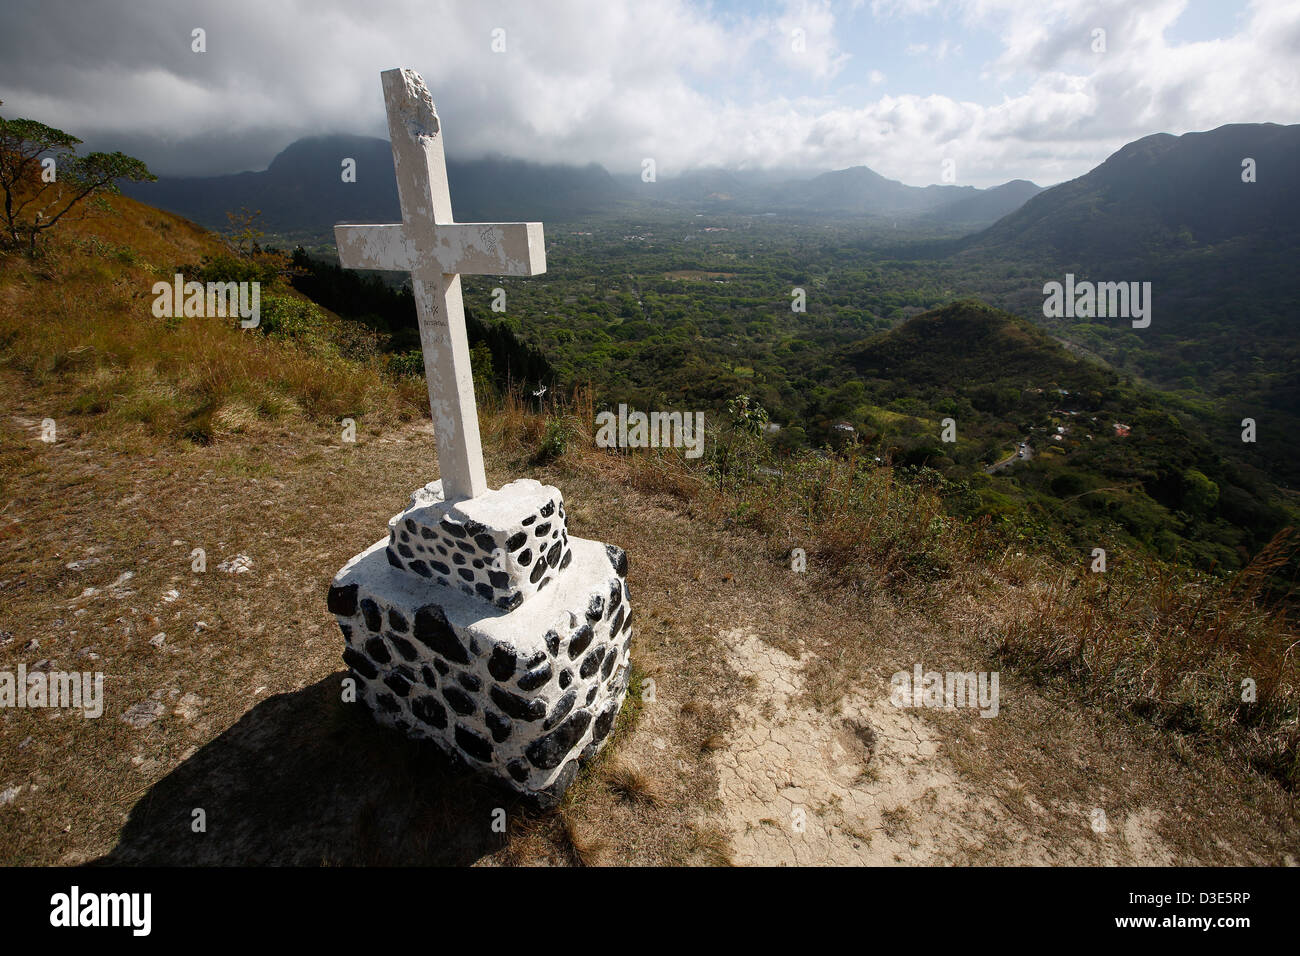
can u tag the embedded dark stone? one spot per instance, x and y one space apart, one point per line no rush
429 710
342 600
518 769
553 556
359 663
442 549
473 744
515 541
410 526
617 620
455 530
388 703
393 559
485 541
458 699
543 582
566 678
405 551
561 710
535 660
564 562
484 591
550 798
426 534
618 558
474 528
404 536
525 557
548 509
499 579
428 676
535 678
499 726
346 630
469 681
422 569
396 621
516 706
440 567
529 520
402 725
374 620
478 564
473 646
466 547
627 623
538 570
595 608
610 660
404 647
503 661
377 651
603 723
441 667
400 685
547 752
432 630
553 642
592 662
511 602
581 641
543 529
466 574
457 558
615 594
591 694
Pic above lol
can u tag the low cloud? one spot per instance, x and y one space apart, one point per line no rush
616 81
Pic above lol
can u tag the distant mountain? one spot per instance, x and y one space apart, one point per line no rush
859 190
853 193
1220 255
1164 192
989 205
302 191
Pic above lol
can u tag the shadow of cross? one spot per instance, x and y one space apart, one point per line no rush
436 250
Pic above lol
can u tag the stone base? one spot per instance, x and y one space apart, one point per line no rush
503 546
524 694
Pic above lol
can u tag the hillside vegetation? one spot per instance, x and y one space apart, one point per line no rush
175 433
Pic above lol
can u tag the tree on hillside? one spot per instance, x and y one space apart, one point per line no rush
43 178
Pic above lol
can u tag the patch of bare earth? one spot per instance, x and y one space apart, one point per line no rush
865 782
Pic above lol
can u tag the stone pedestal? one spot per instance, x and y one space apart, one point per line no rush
484 627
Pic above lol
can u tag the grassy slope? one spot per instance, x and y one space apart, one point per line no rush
251 727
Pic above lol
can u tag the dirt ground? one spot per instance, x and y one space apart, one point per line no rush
760 731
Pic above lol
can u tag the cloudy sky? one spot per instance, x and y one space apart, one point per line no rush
1005 89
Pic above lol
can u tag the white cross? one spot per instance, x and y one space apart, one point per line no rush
436 250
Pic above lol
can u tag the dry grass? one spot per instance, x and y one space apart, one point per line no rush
632 784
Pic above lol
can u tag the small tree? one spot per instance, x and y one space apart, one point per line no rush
36 194
245 229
